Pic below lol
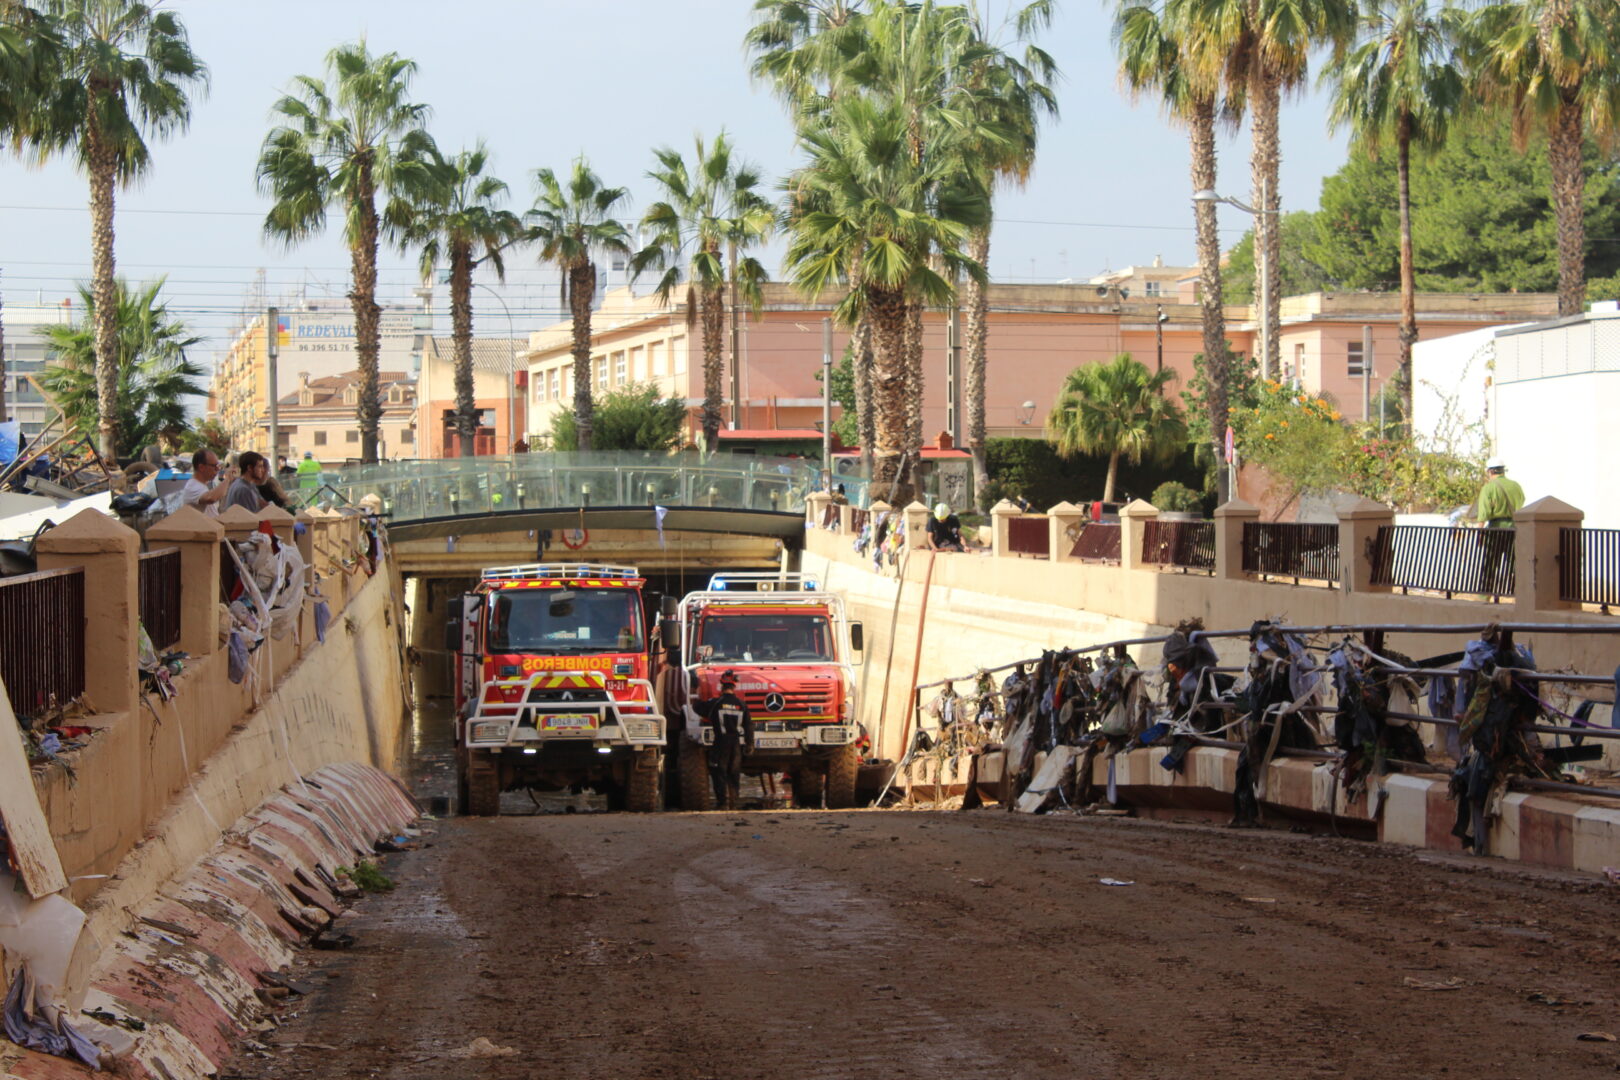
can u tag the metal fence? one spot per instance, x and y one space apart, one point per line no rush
1292 550
1443 559
160 596
1029 536
858 520
1098 542
1589 566
42 638
1189 545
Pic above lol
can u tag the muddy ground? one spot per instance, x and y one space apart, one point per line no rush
947 945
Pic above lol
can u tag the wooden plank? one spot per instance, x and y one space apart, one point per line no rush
26 828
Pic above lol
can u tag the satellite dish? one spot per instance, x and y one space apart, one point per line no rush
1102 290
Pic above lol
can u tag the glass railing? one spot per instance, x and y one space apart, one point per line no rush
460 487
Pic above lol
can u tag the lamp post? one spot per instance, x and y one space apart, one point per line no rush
1209 195
511 366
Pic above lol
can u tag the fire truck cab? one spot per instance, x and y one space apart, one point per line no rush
553 690
792 648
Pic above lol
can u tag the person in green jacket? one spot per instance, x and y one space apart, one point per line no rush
309 473
1499 499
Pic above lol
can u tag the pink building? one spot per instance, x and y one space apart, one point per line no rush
1038 334
498 373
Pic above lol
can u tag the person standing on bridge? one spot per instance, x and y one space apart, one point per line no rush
1498 500
733 728
309 472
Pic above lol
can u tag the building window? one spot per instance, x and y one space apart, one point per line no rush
599 372
320 438
407 435
1152 288
655 359
555 380
621 369
351 435
1353 359
1297 374
677 355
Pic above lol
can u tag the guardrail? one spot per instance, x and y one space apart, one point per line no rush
1029 536
1098 542
42 622
1186 545
1589 567
1291 550
1444 559
160 596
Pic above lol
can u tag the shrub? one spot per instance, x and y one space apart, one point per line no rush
1033 469
1175 497
632 417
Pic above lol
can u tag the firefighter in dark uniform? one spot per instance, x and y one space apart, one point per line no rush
733 732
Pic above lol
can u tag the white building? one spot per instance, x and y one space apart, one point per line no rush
1542 396
25 356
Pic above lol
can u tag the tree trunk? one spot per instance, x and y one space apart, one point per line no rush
1113 471
461 333
1201 135
1409 330
914 380
103 170
976 318
712 313
581 291
861 362
1265 96
1569 195
367 315
887 310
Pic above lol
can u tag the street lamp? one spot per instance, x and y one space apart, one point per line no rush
1027 412
511 367
1208 195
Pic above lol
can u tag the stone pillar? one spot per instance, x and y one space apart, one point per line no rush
304 537
238 523
816 504
197 536
108 551
1359 523
1060 519
1535 555
846 519
1000 514
1230 518
1133 519
280 521
916 526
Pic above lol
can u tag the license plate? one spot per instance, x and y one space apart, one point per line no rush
568 721
775 743
617 684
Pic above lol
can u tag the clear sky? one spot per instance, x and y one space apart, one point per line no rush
541 81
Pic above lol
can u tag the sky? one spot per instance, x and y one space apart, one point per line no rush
541 81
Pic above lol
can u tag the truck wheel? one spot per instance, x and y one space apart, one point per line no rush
806 788
480 782
693 763
644 788
843 768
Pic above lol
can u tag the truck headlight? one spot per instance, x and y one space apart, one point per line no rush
487 731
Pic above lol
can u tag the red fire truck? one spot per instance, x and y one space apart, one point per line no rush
792 649
554 691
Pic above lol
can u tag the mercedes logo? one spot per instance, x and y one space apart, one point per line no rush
774 702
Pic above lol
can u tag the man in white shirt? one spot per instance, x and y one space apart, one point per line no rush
206 489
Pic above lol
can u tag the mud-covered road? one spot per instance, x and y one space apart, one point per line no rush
898 945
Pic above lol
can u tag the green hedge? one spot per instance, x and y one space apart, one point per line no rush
1032 468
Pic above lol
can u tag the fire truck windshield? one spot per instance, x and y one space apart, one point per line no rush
595 620
756 638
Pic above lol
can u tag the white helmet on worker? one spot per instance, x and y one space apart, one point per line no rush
1496 464
942 510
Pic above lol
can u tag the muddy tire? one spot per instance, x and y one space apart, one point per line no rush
480 784
644 789
693 764
807 784
843 769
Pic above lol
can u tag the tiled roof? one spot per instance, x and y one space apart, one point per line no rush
493 356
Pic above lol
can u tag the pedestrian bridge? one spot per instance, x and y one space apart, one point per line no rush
687 492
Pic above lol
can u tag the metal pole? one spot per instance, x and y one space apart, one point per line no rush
1263 265
736 352
953 374
511 364
1158 339
272 351
826 399
1366 373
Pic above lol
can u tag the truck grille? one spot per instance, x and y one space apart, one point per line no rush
814 701
565 696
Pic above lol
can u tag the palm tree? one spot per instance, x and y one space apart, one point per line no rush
459 221
708 216
1164 51
1262 49
152 374
125 73
1555 64
344 141
1116 408
573 222
864 214
1400 82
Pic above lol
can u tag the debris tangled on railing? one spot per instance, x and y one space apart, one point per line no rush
1055 715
